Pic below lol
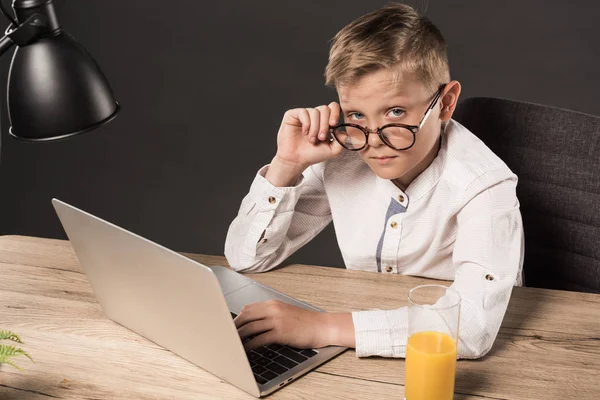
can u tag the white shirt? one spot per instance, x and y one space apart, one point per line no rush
458 220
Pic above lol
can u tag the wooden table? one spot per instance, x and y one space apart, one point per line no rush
548 347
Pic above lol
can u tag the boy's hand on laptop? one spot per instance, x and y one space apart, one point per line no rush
278 322
303 140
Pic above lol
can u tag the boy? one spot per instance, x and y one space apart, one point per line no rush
409 191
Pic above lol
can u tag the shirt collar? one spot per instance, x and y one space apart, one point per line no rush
423 183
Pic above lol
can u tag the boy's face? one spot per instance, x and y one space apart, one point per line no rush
374 101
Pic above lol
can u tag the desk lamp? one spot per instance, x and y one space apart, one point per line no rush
55 88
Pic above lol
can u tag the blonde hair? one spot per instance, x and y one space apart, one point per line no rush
395 37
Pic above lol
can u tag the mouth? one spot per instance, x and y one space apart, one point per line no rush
383 159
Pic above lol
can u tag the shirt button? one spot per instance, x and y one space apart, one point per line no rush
489 277
394 224
401 198
388 269
264 240
272 200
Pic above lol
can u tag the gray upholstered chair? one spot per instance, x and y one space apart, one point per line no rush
556 155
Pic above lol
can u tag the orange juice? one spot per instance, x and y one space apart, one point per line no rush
430 366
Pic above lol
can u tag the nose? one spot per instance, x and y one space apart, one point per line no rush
373 139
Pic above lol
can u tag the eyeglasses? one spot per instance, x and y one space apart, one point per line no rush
397 136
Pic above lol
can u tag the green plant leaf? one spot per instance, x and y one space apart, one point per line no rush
9 351
6 352
8 335
13 364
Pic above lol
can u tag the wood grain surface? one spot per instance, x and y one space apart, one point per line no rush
548 346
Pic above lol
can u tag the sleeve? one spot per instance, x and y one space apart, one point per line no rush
488 259
274 222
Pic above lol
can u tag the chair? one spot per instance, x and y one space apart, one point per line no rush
556 156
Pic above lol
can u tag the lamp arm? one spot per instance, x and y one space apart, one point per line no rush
7 14
6 44
27 32
36 18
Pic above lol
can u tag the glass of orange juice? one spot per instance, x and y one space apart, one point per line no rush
433 317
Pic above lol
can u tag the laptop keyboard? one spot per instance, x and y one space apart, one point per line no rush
268 362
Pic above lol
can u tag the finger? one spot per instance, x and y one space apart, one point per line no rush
266 338
334 116
297 117
324 125
254 328
336 148
314 124
251 312
304 118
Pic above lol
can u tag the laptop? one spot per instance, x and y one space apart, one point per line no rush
182 305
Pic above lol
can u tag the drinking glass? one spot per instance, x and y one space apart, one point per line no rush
433 318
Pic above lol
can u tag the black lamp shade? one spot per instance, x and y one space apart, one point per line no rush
56 90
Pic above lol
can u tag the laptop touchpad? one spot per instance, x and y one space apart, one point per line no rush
229 280
256 293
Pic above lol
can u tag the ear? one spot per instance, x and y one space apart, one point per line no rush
449 99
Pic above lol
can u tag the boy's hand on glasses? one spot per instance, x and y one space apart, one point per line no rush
303 140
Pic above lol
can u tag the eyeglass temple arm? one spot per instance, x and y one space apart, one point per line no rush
432 105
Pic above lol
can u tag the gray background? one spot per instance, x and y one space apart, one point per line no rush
203 86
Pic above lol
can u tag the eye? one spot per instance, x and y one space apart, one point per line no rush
355 115
396 112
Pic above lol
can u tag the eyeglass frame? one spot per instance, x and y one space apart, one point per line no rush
414 129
